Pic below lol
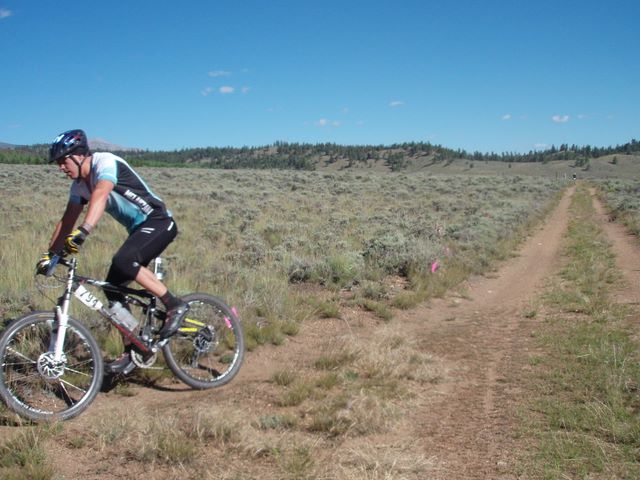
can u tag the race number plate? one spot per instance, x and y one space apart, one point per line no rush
86 297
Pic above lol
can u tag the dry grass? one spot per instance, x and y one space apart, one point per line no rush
283 247
587 407
263 234
381 461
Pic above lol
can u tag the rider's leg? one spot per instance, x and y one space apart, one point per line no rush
176 308
144 244
129 263
148 280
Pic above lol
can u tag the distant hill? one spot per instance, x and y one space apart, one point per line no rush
405 157
6 145
102 145
398 157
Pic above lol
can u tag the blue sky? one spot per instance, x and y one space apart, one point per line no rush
478 75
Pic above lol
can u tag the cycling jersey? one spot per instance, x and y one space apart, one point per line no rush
131 202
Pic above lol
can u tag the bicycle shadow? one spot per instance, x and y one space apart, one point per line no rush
111 381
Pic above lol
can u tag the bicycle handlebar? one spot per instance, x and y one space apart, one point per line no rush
53 263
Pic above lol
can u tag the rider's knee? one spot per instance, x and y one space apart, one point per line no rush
125 267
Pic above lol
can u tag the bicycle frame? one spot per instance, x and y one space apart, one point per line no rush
41 380
75 286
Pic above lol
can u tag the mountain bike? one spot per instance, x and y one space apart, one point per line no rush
51 366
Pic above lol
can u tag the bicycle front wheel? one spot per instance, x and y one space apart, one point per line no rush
208 349
36 386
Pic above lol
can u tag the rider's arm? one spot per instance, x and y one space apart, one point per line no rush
65 225
98 203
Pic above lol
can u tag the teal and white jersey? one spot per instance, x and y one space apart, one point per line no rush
131 201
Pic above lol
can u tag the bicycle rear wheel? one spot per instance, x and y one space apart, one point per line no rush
33 384
208 349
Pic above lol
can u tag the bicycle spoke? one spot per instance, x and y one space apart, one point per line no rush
35 374
70 368
209 353
17 364
64 382
65 394
19 354
194 360
33 383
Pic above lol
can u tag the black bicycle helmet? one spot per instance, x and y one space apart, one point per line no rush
68 143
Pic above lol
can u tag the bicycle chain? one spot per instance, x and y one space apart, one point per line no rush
141 363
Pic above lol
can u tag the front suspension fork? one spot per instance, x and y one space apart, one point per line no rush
62 320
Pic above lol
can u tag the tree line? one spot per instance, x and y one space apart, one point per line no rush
303 156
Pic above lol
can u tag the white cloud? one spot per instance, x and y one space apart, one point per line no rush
224 90
507 116
219 73
540 146
4 13
396 103
560 118
323 122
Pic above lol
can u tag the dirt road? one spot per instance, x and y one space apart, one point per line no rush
486 339
472 432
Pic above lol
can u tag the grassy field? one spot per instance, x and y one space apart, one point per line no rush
285 247
260 238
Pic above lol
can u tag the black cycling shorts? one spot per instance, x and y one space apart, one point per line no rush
143 245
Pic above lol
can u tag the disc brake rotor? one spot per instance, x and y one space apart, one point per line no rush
204 339
49 368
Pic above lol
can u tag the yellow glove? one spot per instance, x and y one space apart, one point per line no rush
75 239
43 264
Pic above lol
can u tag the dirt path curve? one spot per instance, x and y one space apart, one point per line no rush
626 249
470 432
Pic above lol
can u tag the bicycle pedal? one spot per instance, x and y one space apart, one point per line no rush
129 368
160 344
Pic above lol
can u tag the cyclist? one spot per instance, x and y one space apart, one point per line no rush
106 182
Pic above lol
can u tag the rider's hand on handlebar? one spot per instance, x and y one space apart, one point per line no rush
45 261
75 239
43 264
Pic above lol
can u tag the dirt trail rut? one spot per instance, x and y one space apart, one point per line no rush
625 247
485 341
471 432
